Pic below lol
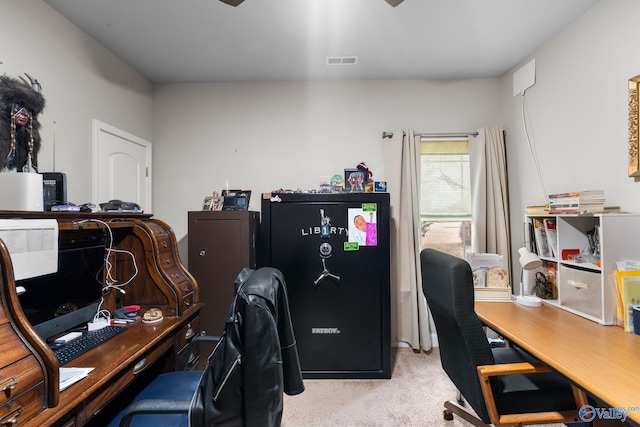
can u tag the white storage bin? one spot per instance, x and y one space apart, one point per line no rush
581 291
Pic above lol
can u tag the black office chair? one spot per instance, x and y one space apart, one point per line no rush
254 362
504 386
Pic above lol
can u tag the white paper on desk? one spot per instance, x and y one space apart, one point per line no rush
70 376
32 244
485 261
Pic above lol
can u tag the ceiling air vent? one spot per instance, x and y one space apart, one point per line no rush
342 60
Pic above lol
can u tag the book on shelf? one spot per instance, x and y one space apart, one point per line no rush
536 210
540 234
583 194
552 236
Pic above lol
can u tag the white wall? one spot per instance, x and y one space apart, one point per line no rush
577 112
263 136
266 136
81 81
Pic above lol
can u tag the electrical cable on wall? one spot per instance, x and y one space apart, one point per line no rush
532 151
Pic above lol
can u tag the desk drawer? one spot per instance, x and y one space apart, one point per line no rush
124 378
581 291
23 407
187 332
19 377
11 347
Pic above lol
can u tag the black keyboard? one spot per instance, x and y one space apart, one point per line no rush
86 342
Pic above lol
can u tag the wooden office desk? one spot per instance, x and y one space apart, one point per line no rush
29 370
141 350
603 360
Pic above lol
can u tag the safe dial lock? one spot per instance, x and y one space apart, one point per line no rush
325 249
325 252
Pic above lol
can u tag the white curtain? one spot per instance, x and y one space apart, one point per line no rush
410 319
489 196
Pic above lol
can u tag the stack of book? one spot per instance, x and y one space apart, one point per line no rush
537 210
591 201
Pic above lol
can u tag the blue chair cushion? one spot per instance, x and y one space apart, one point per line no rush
179 385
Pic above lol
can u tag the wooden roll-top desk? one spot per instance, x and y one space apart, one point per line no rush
29 370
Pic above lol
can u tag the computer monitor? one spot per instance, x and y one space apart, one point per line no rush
69 298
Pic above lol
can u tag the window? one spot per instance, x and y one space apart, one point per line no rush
445 195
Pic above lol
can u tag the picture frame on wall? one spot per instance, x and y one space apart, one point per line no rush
634 127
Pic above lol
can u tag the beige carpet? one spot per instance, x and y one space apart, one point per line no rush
414 396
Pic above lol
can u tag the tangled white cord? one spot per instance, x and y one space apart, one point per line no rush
109 281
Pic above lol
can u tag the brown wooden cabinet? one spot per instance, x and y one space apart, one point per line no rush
221 244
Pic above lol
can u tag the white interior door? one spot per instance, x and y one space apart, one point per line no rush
122 167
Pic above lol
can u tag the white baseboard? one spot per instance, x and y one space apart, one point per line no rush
434 342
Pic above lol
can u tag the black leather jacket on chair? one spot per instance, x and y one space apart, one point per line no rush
255 361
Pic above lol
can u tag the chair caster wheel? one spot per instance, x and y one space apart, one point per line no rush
447 415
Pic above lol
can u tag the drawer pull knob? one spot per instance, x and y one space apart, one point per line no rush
203 253
9 384
140 366
190 333
11 418
164 245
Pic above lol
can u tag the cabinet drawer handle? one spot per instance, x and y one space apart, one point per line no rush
9 384
202 253
577 285
164 245
140 366
190 333
11 418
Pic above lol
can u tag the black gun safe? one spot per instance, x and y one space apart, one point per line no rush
333 250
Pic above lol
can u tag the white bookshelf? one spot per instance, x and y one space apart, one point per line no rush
588 288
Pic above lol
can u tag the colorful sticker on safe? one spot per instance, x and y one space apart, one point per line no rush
351 246
363 227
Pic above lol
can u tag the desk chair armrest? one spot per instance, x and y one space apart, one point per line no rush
487 371
192 343
154 406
